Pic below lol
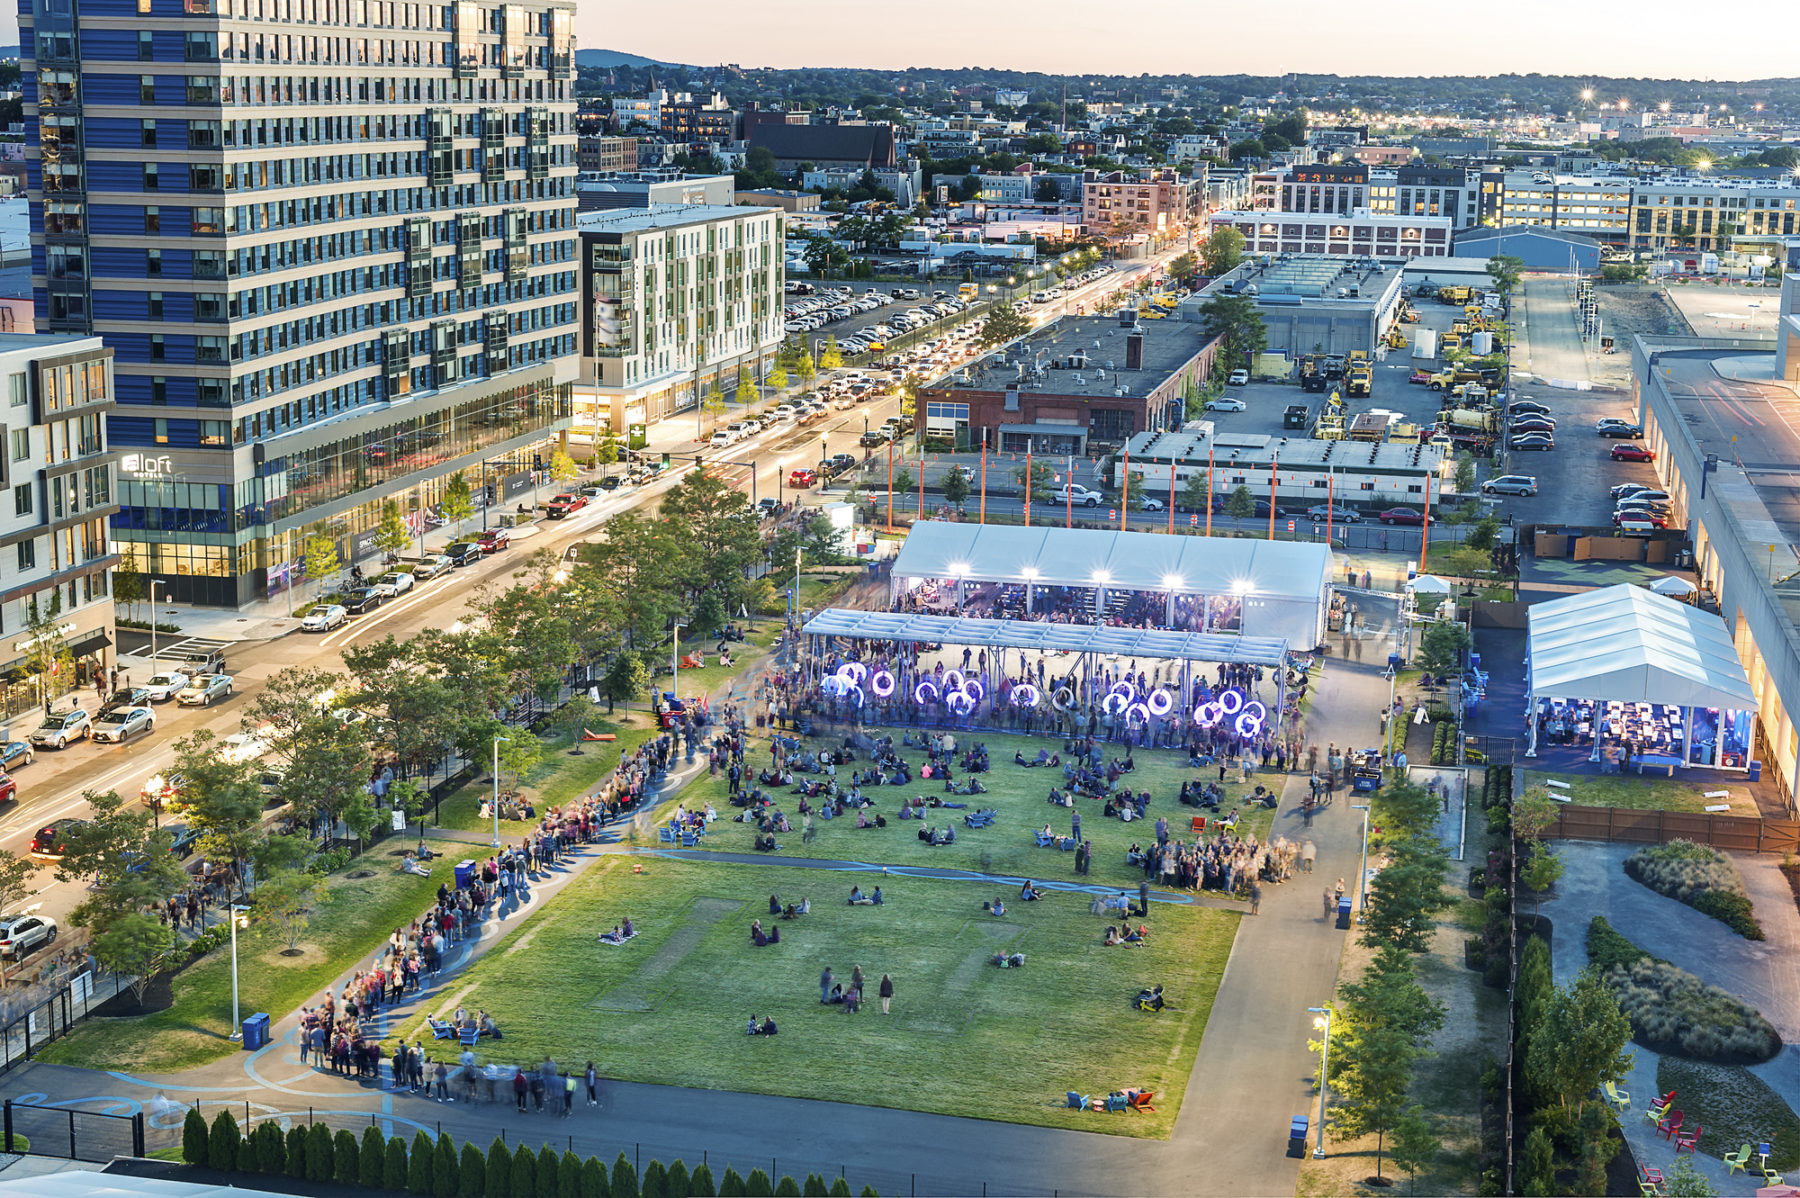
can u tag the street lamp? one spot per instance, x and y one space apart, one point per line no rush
496 802
1362 876
1323 1023
675 658
157 582
237 917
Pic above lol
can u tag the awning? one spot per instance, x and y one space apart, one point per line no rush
1040 635
1624 643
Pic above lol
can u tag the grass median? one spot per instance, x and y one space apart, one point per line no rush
964 1038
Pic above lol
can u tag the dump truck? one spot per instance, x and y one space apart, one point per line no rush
1454 295
1312 377
1449 343
1359 381
1296 415
1441 380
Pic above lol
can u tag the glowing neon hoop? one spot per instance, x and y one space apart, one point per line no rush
1129 690
1230 702
972 687
1114 703
860 698
1248 725
1137 715
1256 709
882 684
1207 715
959 702
1161 702
919 693
853 672
1059 702
949 684
1026 695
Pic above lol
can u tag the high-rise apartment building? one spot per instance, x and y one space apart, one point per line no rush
331 244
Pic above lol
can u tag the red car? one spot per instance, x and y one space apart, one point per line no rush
1632 453
802 477
494 540
562 505
1640 516
9 790
1402 515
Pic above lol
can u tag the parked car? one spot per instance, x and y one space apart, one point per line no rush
1621 429
1238 378
1402 515
242 746
1533 424
494 540
21 935
166 686
611 482
122 723
127 696
1640 490
182 839
1334 511
203 690
9 790
1533 441
393 584
362 600
875 438
431 567
161 790
52 840
1511 484
1527 407
565 505
1641 516
463 553
59 728
1227 405
801 477
14 753
324 617
767 506
1632 453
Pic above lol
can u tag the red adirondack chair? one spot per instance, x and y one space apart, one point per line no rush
1669 1126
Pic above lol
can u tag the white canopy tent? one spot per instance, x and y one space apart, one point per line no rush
1629 646
1285 586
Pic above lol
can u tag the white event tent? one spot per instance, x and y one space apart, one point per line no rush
1284 586
1638 664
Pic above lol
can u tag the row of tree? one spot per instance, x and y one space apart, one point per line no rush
435 1169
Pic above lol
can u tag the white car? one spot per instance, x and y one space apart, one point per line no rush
324 619
1149 504
240 747
1227 405
1238 378
22 934
163 687
1511 484
393 583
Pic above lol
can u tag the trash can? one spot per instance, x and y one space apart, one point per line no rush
1756 771
1343 919
1297 1136
256 1032
465 874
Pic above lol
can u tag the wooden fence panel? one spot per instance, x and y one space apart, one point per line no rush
1734 833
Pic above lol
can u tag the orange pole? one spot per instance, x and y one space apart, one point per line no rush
1274 472
1125 489
1425 528
1330 489
1028 484
890 526
1171 492
1209 486
984 476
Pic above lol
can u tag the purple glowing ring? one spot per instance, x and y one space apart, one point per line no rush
953 686
1254 708
853 672
1160 702
1129 690
1137 715
1208 715
1026 696
972 687
919 693
1248 725
831 684
1231 702
1059 702
882 684
959 702
1114 703
860 698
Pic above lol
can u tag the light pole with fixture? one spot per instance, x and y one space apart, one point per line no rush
1322 1022
675 658
1362 877
237 917
496 802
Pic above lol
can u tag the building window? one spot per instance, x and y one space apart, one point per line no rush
16 390
152 219
27 555
150 176
156 305
22 499
21 444
162 431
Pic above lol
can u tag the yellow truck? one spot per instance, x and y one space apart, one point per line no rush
1358 382
1449 342
1330 426
1454 295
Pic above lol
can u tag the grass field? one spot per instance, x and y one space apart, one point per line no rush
557 778
359 916
1007 847
965 1038
1646 793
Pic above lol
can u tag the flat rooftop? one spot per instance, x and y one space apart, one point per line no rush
667 216
1046 361
1295 451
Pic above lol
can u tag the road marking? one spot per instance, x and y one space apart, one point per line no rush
351 631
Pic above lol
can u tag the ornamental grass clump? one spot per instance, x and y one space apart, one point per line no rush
1700 876
1673 1011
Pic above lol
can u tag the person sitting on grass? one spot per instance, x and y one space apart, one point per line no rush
859 899
487 1027
997 907
1137 935
616 936
774 904
762 939
1030 893
875 899
410 865
765 842
1005 961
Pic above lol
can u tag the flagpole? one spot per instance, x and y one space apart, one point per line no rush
984 476
1209 486
1028 483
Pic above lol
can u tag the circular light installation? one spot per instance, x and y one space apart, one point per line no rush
1126 689
853 689
920 691
1026 695
1208 715
853 672
882 684
959 702
972 687
1231 702
1063 699
1114 703
1248 725
1137 715
1160 702
953 680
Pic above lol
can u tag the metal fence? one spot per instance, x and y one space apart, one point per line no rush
42 1014
71 1134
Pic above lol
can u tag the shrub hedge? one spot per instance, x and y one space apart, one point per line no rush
1700 876
1671 1010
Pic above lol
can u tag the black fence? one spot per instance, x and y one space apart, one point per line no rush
71 1134
45 1012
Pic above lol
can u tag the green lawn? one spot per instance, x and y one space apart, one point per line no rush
1646 793
965 1038
558 777
361 913
1007 847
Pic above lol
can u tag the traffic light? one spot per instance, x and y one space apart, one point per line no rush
490 492
537 461
665 461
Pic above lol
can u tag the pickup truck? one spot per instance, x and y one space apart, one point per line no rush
1077 494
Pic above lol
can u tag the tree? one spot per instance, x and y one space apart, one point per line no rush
956 486
1537 1170
499 1168
134 873
593 1179
569 1177
1235 319
548 1163
1505 270
1370 1074
1683 1180
1441 648
392 536
129 584
287 897
49 657
471 1173
606 449
224 798
731 1183
757 1185
393 1166
678 1183
831 357
624 1178
418 1162
1416 1145
714 403
458 503
778 376
803 367
222 1141
193 1138
524 1170
1465 472
1184 266
1004 323
345 1165
271 1150
1541 874
1579 1043
1222 251
296 1154
518 755
1406 894
625 677
701 1184
16 877
562 466
1196 494
745 388
655 1180
319 557
1239 503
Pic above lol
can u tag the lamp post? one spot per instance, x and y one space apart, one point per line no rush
675 658
1323 1022
157 582
237 916
496 803
1362 874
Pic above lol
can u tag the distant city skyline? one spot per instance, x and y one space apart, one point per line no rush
1179 37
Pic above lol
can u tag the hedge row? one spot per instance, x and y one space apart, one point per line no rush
436 1170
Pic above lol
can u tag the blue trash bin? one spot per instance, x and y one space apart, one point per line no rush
1756 771
465 874
256 1032
1297 1136
1343 912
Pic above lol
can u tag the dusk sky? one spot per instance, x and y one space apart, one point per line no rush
1403 37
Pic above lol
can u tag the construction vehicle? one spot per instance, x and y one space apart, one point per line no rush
1359 381
1395 339
1330 426
1358 357
1312 378
1455 295
1471 395
1296 415
1460 328
1470 420
1371 427
1441 380
1333 367
1404 433
1449 343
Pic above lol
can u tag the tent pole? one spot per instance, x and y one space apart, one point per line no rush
1687 734
1531 725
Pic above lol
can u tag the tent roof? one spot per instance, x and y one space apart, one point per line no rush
1136 561
1036 634
1627 643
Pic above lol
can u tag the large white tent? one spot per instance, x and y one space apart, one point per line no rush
1285 585
1625 644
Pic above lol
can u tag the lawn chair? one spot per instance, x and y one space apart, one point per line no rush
1116 1102
666 835
1688 1140
1141 1100
1617 1097
1651 1174
1739 1161
1657 1109
1079 1102
1670 1126
1198 823
689 840
446 1031
1649 1189
1772 1178
470 1037
1043 841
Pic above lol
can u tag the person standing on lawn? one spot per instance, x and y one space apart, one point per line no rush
825 985
887 992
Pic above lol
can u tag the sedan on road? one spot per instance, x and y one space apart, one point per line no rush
362 600
1632 453
119 724
394 583
203 690
61 727
15 753
1402 515
324 618
1239 378
1227 405
462 553
1527 407
166 686
1533 441
52 840
801 478
1622 429
1334 511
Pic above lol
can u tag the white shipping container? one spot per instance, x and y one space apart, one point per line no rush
1425 344
1482 342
